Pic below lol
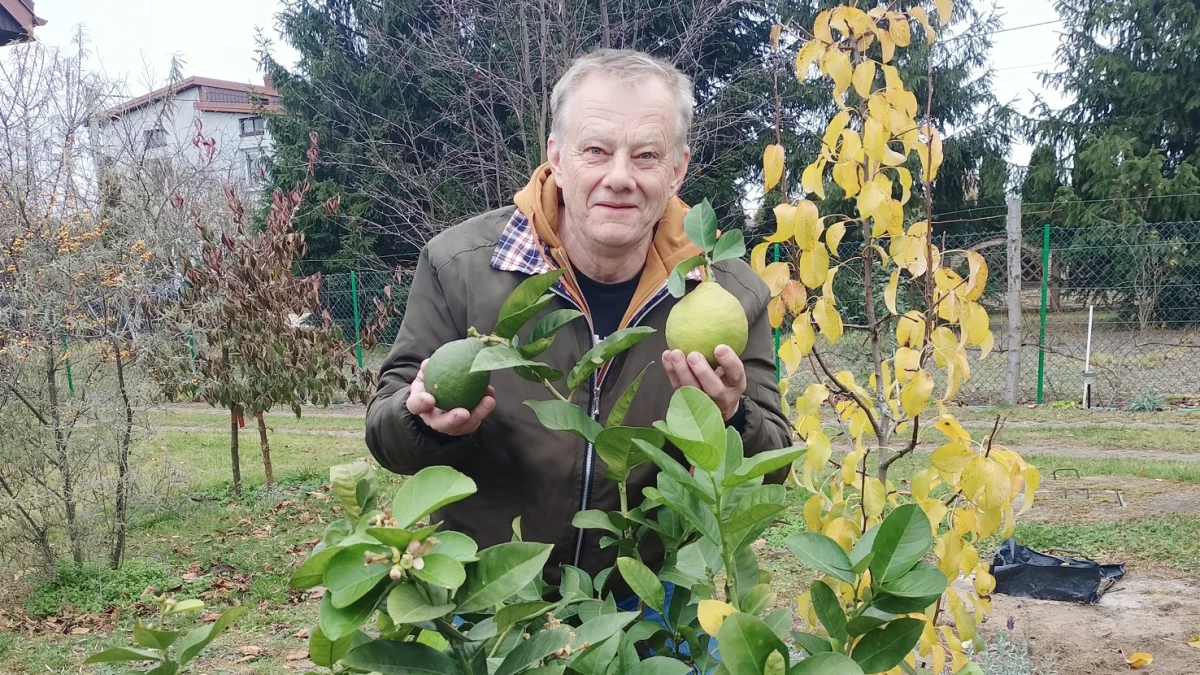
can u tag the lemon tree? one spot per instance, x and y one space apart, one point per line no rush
871 148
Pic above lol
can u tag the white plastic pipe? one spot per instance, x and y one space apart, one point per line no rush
1087 362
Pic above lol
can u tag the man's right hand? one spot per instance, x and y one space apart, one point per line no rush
456 422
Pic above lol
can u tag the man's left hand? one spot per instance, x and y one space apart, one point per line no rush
724 385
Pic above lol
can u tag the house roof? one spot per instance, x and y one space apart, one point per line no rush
215 96
17 21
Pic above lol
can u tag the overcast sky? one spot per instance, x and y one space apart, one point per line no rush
216 38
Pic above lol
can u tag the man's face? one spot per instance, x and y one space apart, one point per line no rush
617 167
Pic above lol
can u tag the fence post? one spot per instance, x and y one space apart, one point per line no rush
1041 385
357 327
1014 297
777 330
67 359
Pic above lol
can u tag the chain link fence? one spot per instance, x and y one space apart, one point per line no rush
1139 283
349 298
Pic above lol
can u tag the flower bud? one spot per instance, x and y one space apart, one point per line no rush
413 547
418 564
406 561
396 573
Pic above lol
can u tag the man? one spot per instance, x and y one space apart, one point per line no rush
605 209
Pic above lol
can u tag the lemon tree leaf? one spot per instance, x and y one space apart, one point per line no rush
903 538
883 648
604 350
515 310
643 582
700 225
677 281
429 490
730 245
563 416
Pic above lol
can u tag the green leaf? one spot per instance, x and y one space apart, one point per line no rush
895 604
511 615
700 225
677 282
762 464
311 572
552 323
337 531
862 624
510 325
515 310
776 664
365 492
399 658
659 665
594 631
456 545
615 446
695 426
153 639
604 351
904 537
501 571
325 652
730 245
347 579
881 649
643 582
616 416
683 502
762 503
594 519
167 668
185 606
826 663
197 639
922 581
500 357
442 571
822 554
562 416
675 470
121 654
337 622
406 604
829 610
429 490
862 549
595 659
779 621
812 644
746 642
531 651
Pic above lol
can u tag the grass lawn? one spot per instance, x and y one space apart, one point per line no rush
189 533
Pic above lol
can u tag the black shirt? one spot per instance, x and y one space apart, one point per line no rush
607 302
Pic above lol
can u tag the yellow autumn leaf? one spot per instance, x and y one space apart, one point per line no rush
810 52
952 430
875 497
850 466
908 362
772 166
935 153
837 65
949 550
758 258
1194 641
970 559
795 297
785 223
906 180
910 330
977 276
985 347
1033 479
712 613
889 293
848 175
886 44
851 146
776 276
944 8
985 583
813 509
964 621
829 321
874 139
821 27
898 29
776 32
803 333
808 225
922 18
974 323
985 483
827 288
945 346
864 77
833 131
1139 660
776 310
951 459
812 180
922 482
914 397
789 353
814 267
843 531
833 236
819 450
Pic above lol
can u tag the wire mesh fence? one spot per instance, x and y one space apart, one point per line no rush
1139 283
349 299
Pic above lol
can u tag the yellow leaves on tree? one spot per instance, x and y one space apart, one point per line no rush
772 166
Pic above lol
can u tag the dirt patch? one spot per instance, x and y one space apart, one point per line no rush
1119 499
1145 612
1089 452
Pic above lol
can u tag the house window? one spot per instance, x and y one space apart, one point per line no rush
155 138
253 126
256 169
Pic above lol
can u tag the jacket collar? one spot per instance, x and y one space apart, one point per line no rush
530 242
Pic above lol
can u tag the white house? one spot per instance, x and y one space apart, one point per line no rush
216 126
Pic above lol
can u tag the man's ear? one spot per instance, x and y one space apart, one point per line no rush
679 171
554 157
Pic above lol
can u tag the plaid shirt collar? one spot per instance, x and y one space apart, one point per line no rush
520 250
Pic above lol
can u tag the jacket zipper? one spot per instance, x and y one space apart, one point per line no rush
589 460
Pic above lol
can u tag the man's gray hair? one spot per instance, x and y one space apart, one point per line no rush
629 67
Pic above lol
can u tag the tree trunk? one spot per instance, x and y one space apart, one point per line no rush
62 458
605 37
1055 284
266 450
233 449
123 443
40 534
1013 375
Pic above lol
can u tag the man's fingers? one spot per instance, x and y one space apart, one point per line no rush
486 405
683 371
734 373
447 422
420 402
668 362
709 382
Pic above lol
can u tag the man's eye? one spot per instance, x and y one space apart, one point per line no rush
593 150
646 155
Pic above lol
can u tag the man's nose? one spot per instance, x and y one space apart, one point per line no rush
620 173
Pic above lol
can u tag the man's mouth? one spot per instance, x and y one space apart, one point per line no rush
616 205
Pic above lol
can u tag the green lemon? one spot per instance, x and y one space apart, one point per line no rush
449 378
707 317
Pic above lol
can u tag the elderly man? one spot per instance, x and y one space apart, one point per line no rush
605 209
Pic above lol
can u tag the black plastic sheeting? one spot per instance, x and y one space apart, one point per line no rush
1023 572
